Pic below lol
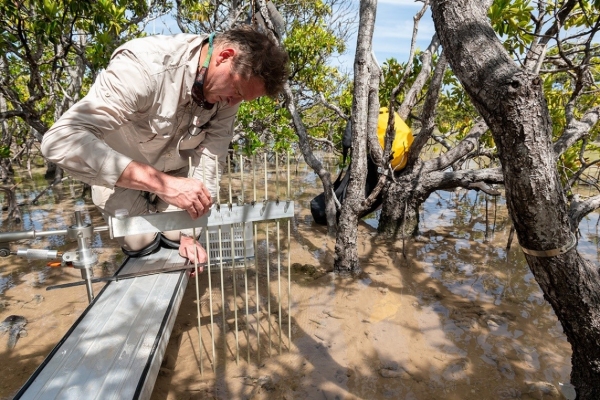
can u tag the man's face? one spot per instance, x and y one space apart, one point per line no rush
222 84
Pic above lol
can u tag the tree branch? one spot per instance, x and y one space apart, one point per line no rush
537 52
429 110
576 130
11 114
333 107
464 147
375 78
409 62
469 179
411 97
322 140
580 208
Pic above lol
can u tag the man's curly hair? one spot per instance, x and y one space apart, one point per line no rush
257 56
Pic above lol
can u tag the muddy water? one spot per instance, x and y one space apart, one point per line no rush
452 314
23 283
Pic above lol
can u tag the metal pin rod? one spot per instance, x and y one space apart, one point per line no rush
229 180
217 181
268 290
210 292
241 196
257 295
237 339
279 282
198 311
246 291
289 286
191 168
254 178
289 261
277 176
200 344
266 191
222 297
210 301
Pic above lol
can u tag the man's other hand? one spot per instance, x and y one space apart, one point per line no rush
193 251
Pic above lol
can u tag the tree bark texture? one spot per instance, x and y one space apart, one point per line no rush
400 213
511 101
346 251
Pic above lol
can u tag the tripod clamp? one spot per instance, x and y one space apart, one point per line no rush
83 258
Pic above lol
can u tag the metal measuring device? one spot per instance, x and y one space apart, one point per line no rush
83 258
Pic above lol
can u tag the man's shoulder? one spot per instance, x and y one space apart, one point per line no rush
182 38
162 43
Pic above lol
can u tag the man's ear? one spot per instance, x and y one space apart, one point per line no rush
225 55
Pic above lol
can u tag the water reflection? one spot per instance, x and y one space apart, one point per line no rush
460 252
6 282
474 269
589 243
54 210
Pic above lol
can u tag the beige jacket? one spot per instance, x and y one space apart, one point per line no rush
140 108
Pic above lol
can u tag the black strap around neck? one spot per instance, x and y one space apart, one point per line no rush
198 86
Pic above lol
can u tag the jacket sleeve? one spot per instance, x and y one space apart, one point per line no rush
76 142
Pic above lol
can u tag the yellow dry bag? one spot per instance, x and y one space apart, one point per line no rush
402 141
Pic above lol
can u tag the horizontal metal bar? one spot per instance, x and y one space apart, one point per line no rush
125 276
33 234
223 215
21 235
187 265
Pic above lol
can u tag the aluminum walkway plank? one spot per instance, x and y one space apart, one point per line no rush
115 349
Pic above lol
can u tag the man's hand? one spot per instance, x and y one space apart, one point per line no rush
193 251
186 193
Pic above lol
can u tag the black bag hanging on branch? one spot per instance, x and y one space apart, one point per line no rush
402 142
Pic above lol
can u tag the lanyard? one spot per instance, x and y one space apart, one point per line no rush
210 50
198 86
